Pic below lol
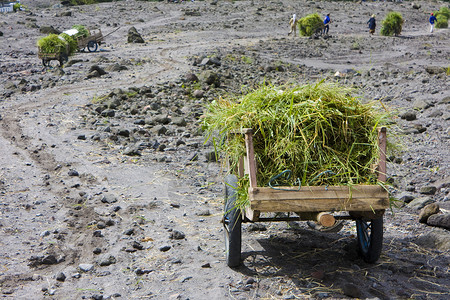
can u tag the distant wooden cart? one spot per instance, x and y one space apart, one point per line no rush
92 41
61 54
363 203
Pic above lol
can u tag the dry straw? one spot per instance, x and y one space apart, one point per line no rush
320 132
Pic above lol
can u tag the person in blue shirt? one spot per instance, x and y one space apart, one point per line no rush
432 21
326 23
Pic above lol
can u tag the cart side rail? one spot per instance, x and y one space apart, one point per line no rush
319 198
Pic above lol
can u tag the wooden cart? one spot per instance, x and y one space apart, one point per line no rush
92 41
363 203
61 54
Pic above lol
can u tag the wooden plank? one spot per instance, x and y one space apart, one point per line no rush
317 192
309 205
252 215
250 158
382 144
317 199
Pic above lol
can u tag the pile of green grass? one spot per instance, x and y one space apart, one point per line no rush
73 45
320 132
52 44
309 24
442 16
82 31
392 24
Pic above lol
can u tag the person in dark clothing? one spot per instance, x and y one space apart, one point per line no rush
372 24
326 23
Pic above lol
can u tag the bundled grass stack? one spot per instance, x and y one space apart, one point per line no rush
309 24
442 16
82 31
320 132
73 45
52 44
392 24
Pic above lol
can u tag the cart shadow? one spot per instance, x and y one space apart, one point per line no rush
301 252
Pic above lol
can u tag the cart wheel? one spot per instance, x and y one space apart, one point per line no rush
232 223
44 62
370 238
63 59
92 46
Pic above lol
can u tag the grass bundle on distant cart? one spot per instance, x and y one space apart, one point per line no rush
52 44
320 132
82 31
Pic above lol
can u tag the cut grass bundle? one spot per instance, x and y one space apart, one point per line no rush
392 24
309 24
442 21
82 31
52 44
73 45
442 16
319 132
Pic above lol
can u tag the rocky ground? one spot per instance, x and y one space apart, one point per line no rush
109 191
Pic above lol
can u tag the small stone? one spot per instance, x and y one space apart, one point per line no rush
428 190
165 248
428 211
107 260
177 235
97 233
73 173
256 227
409 116
198 94
129 231
207 265
137 245
204 213
140 271
45 233
97 251
109 198
85 267
60 277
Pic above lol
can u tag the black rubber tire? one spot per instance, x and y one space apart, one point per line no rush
232 223
92 46
63 58
370 238
44 62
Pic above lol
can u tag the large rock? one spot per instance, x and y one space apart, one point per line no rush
420 203
439 220
409 115
428 190
49 30
427 211
210 78
134 36
434 70
437 239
